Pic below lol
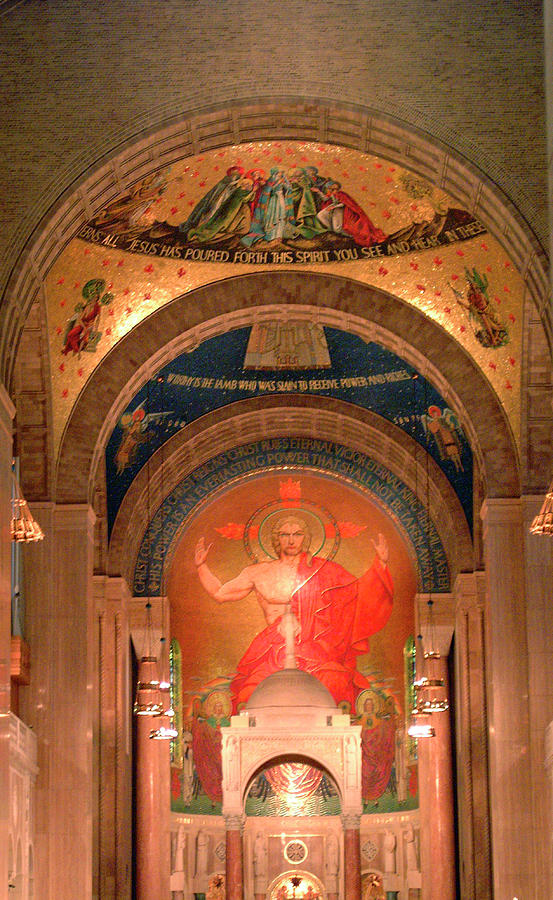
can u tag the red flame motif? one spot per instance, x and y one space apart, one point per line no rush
233 531
290 490
350 529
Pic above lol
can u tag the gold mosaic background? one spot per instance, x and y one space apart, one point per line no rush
142 283
227 629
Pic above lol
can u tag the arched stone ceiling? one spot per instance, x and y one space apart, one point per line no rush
190 223
320 418
236 301
411 66
346 127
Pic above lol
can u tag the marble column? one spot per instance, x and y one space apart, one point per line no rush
234 857
113 725
472 738
152 807
352 856
539 635
6 450
511 801
437 830
58 702
437 823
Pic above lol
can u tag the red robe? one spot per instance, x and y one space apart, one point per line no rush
377 748
356 221
337 614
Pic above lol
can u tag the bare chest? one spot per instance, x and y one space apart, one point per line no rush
276 582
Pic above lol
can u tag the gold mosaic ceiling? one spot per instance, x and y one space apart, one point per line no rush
270 205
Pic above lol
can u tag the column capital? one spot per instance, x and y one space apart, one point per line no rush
107 588
501 511
469 591
71 516
234 823
351 821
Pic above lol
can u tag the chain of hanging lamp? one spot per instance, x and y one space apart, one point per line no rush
166 730
429 685
148 700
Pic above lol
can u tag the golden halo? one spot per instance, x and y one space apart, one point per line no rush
368 693
212 699
322 526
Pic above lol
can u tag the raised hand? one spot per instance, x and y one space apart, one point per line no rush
381 548
201 551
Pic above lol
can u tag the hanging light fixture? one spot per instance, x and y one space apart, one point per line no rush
543 522
148 700
419 721
431 697
24 527
420 725
164 733
166 730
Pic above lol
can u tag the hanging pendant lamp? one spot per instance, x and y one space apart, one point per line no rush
543 522
24 527
148 699
431 695
166 730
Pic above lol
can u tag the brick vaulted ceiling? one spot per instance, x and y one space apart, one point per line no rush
71 478
411 111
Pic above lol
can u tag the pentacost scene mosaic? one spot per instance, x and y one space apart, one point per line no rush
271 205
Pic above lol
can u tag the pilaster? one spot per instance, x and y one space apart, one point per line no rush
511 801
112 715
58 703
472 739
539 635
351 824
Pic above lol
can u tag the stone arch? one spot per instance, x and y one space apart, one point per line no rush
51 226
343 299
324 315
283 877
344 122
327 419
246 751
